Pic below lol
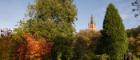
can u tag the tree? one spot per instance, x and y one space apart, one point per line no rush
52 20
133 32
137 45
84 45
114 39
5 44
136 3
80 46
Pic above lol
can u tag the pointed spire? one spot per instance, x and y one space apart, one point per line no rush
92 25
91 21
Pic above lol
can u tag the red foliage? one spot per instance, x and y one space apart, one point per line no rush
34 48
21 50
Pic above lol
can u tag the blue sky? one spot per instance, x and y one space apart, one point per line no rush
11 11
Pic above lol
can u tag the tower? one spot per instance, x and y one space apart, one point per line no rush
91 25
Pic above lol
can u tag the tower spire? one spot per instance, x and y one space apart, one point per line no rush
91 25
91 21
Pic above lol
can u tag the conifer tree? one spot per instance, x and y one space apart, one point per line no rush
114 39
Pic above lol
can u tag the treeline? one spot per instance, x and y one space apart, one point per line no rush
134 39
48 33
133 32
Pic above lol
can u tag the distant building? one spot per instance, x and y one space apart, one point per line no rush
89 33
92 24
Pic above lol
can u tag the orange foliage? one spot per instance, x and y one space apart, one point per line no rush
34 48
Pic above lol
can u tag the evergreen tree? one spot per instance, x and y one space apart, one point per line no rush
114 39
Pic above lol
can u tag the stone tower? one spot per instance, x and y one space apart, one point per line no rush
91 25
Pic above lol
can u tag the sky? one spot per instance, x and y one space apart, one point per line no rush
11 11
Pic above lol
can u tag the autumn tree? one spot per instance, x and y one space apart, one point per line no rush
52 19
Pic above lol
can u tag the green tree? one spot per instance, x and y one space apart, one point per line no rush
137 45
84 45
133 32
6 44
53 20
114 39
80 46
